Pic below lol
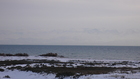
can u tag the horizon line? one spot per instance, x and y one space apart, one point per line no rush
68 45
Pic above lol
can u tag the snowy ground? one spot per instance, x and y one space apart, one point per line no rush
105 63
16 74
30 75
63 59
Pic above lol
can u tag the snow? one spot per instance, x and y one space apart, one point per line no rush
77 62
25 75
30 75
16 74
3 58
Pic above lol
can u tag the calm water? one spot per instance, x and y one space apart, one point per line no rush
86 52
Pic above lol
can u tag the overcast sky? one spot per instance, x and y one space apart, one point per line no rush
70 22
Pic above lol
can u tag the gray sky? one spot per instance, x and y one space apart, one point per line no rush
70 22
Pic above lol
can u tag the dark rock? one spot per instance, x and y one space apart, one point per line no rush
6 76
50 54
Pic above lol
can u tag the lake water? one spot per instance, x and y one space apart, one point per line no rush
84 52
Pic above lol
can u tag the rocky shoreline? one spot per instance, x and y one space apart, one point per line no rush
73 68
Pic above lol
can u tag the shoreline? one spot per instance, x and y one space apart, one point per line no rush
66 67
64 59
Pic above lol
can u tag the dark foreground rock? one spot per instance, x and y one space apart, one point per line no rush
1 70
6 76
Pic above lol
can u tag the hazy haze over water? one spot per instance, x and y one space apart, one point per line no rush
70 22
